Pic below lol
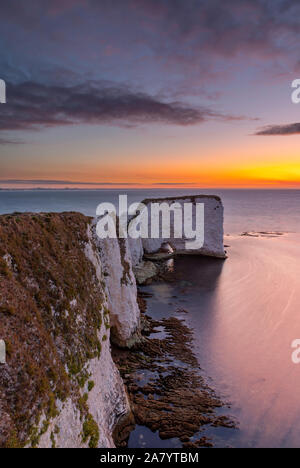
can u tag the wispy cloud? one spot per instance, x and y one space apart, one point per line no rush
176 183
41 182
58 182
279 130
8 141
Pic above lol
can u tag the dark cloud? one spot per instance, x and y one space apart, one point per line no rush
283 130
32 106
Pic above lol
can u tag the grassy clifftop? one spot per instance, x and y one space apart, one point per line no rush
51 311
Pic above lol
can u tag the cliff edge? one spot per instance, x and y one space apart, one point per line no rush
59 387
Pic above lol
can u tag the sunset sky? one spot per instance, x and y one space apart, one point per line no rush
150 92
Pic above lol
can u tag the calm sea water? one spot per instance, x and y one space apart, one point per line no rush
244 311
245 314
245 210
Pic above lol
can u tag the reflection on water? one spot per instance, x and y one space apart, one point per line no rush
142 437
245 315
169 265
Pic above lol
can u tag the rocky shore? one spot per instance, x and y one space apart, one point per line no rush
166 390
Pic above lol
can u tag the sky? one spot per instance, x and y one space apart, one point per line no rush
158 93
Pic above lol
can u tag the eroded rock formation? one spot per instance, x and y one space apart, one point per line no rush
213 228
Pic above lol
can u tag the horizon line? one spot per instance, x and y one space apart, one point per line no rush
54 184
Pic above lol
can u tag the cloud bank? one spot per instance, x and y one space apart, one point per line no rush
33 106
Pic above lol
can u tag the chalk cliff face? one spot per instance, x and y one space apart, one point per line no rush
106 402
122 292
60 386
64 295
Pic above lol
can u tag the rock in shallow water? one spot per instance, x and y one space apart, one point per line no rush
145 271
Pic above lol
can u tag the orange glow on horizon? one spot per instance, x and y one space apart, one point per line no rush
177 175
256 176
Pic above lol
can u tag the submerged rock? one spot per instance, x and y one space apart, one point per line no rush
172 398
145 271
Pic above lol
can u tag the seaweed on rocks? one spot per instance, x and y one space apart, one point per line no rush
164 383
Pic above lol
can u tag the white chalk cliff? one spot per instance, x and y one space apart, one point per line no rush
107 401
213 227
